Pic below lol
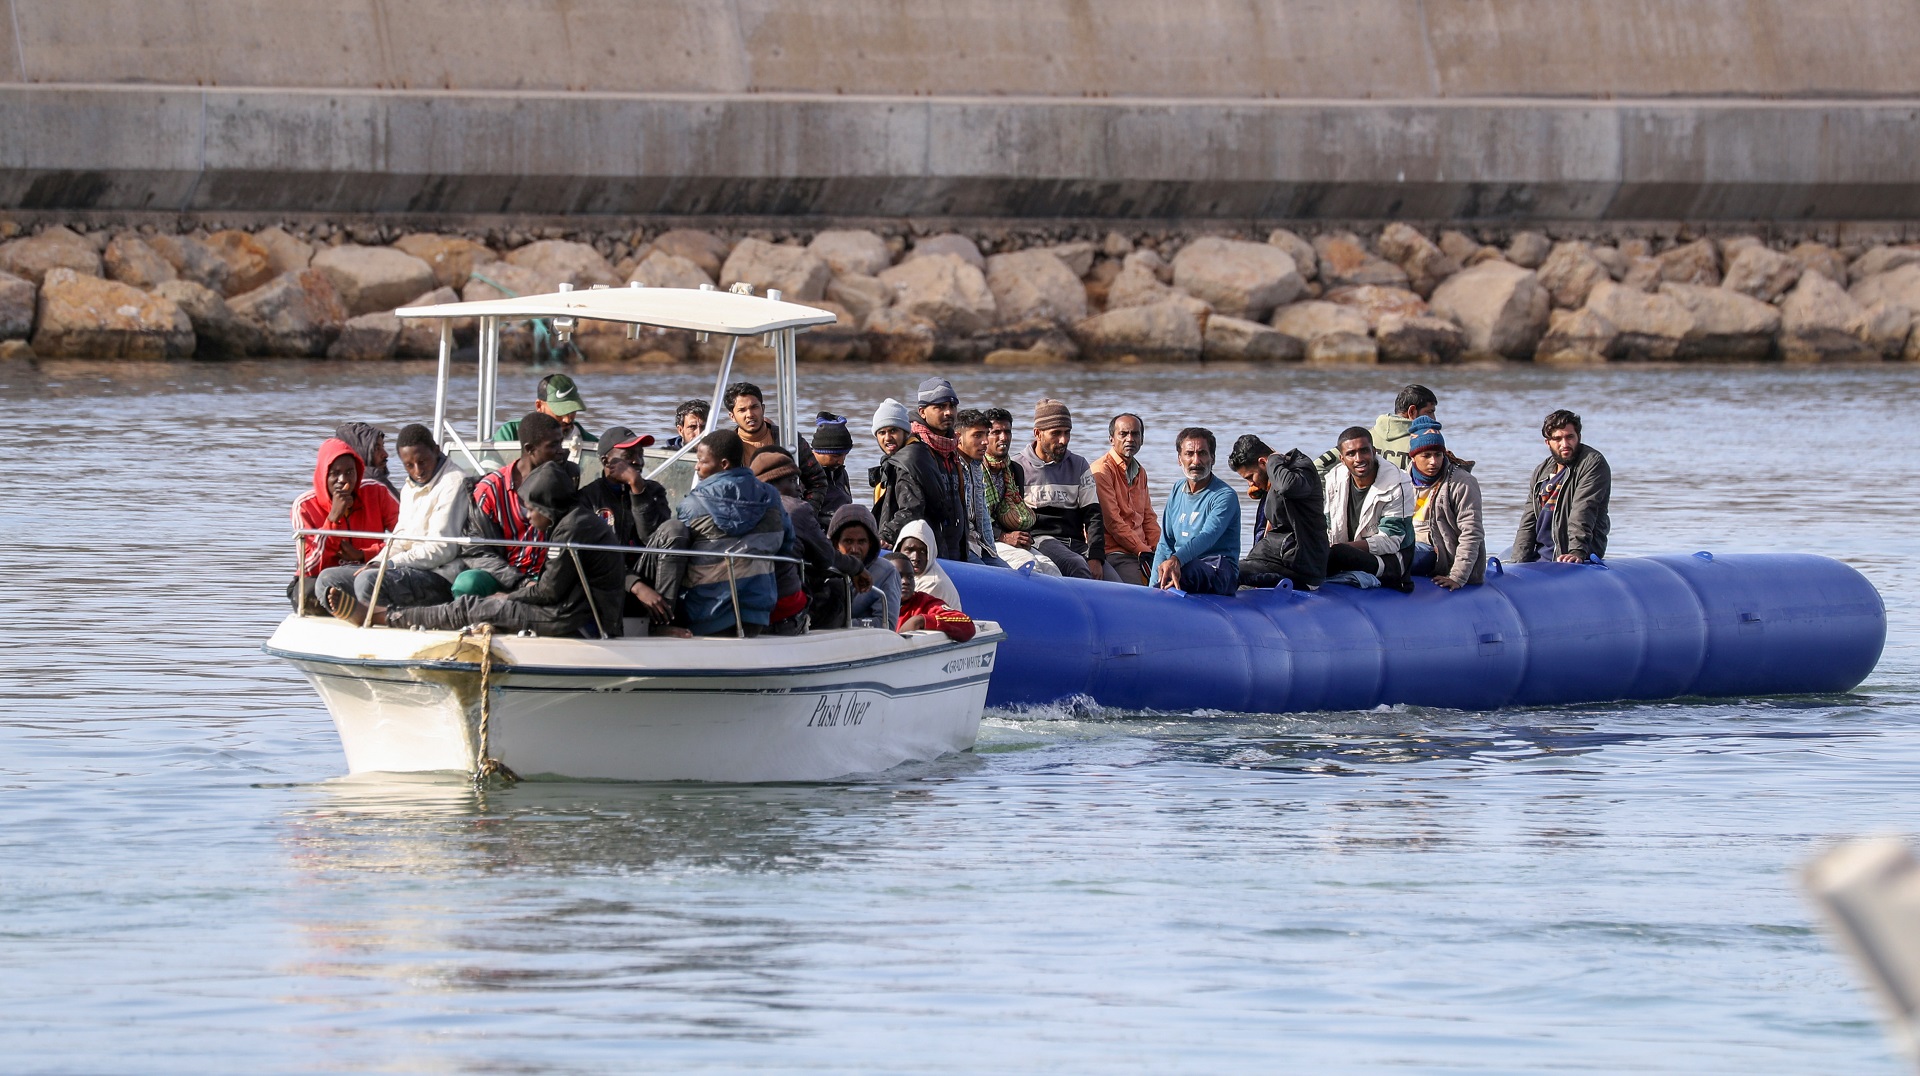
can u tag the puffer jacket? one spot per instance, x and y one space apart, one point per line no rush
1580 521
733 512
1386 513
1451 523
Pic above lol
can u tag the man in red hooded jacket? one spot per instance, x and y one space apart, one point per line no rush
342 499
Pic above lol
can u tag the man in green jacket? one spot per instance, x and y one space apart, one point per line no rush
1566 517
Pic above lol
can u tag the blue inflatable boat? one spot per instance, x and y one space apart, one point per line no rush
1534 634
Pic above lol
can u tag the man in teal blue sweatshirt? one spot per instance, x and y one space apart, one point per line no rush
1199 550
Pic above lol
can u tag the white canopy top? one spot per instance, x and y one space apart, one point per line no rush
669 308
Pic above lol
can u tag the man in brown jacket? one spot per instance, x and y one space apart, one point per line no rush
1566 518
1450 539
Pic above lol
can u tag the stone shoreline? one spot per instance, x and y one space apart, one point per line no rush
995 291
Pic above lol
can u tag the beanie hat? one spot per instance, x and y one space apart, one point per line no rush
938 390
1051 415
771 464
830 434
892 413
1425 434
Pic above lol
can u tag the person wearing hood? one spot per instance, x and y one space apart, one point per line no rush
1369 513
916 544
342 499
749 413
1068 528
855 534
433 503
777 469
369 442
921 611
730 511
498 511
1449 537
831 443
571 595
1290 531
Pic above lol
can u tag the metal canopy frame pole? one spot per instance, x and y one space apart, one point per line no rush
440 382
489 371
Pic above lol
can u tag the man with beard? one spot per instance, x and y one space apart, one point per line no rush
924 479
747 408
1068 528
1290 537
1198 550
1566 516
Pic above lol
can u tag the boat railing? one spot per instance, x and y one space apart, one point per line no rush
573 549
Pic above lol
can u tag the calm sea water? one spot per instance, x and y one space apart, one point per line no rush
187 885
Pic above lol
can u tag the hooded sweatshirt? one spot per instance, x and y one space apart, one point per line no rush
552 489
733 512
374 509
933 581
362 437
886 578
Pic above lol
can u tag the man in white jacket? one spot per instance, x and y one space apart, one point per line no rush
1369 512
434 503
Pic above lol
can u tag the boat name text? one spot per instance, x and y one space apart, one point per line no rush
841 709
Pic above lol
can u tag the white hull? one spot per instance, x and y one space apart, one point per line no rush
808 708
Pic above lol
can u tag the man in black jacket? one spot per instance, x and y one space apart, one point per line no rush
636 508
777 469
1294 545
914 485
558 602
1566 518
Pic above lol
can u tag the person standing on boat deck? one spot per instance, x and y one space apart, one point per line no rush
1290 531
730 511
561 602
1198 549
1126 508
1566 516
774 467
1006 483
1067 528
921 611
831 443
341 500
635 506
747 408
558 398
433 502
855 534
1369 513
970 429
1449 539
497 511
369 442
689 423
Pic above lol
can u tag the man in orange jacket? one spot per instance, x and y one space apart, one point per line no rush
1132 530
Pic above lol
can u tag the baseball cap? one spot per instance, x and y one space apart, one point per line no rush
562 396
621 437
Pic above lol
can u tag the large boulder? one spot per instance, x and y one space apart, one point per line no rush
56 248
192 259
1375 302
451 257
217 333
249 264
131 261
945 290
1616 262
1035 284
565 261
1900 287
1694 263
1342 349
1885 327
1501 306
367 337
1529 250
704 249
1425 264
1230 339
86 317
1569 274
1726 324
1882 259
1139 282
860 295
951 243
504 280
1650 326
1344 259
1418 338
852 252
662 270
795 272
370 279
1643 274
1078 256
1170 331
285 253
1821 323
1820 258
1305 261
295 314
842 341
894 335
1760 273
1239 279
1576 338
1310 320
420 337
17 299
1459 246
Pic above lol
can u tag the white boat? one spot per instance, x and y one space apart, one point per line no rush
808 707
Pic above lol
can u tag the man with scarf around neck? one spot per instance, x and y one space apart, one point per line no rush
1068 528
923 479
1449 537
747 408
1006 483
1126 508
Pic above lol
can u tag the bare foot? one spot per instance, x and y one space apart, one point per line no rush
345 606
672 632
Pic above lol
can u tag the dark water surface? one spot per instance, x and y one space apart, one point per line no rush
186 885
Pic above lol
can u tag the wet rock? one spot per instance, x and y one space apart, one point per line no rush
1033 334
1569 274
504 280
704 249
1230 339
1344 259
248 263
1023 357
860 295
1305 261
1035 284
567 262
1900 287
192 259
1528 250
662 270
86 317
1342 349
1170 331
896 336
285 253
1459 246
1501 306
1884 327
370 279
1882 259
1726 324
450 257
1643 274
1760 273
1425 264
16 351
852 253
131 261
420 337
1314 318
1418 338
294 313
1820 323
1576 338
1695 263
1239 279
944 289
1820 258
951 243
18 297
1651 327
367 337
1374 302
56 248
1078 256
217 333
799 275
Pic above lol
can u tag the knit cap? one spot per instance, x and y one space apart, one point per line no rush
938 390
1051 415
830 433
892 413
770 464
1424 434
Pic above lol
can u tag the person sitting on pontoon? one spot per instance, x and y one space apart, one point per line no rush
920 611
342 499
730 511
578 591
498 512
558 398
434 503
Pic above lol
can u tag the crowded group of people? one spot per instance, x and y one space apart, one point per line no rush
772 539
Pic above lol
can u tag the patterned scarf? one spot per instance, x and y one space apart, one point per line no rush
1006 502
943 448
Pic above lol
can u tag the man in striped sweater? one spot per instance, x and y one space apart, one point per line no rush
1068 528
